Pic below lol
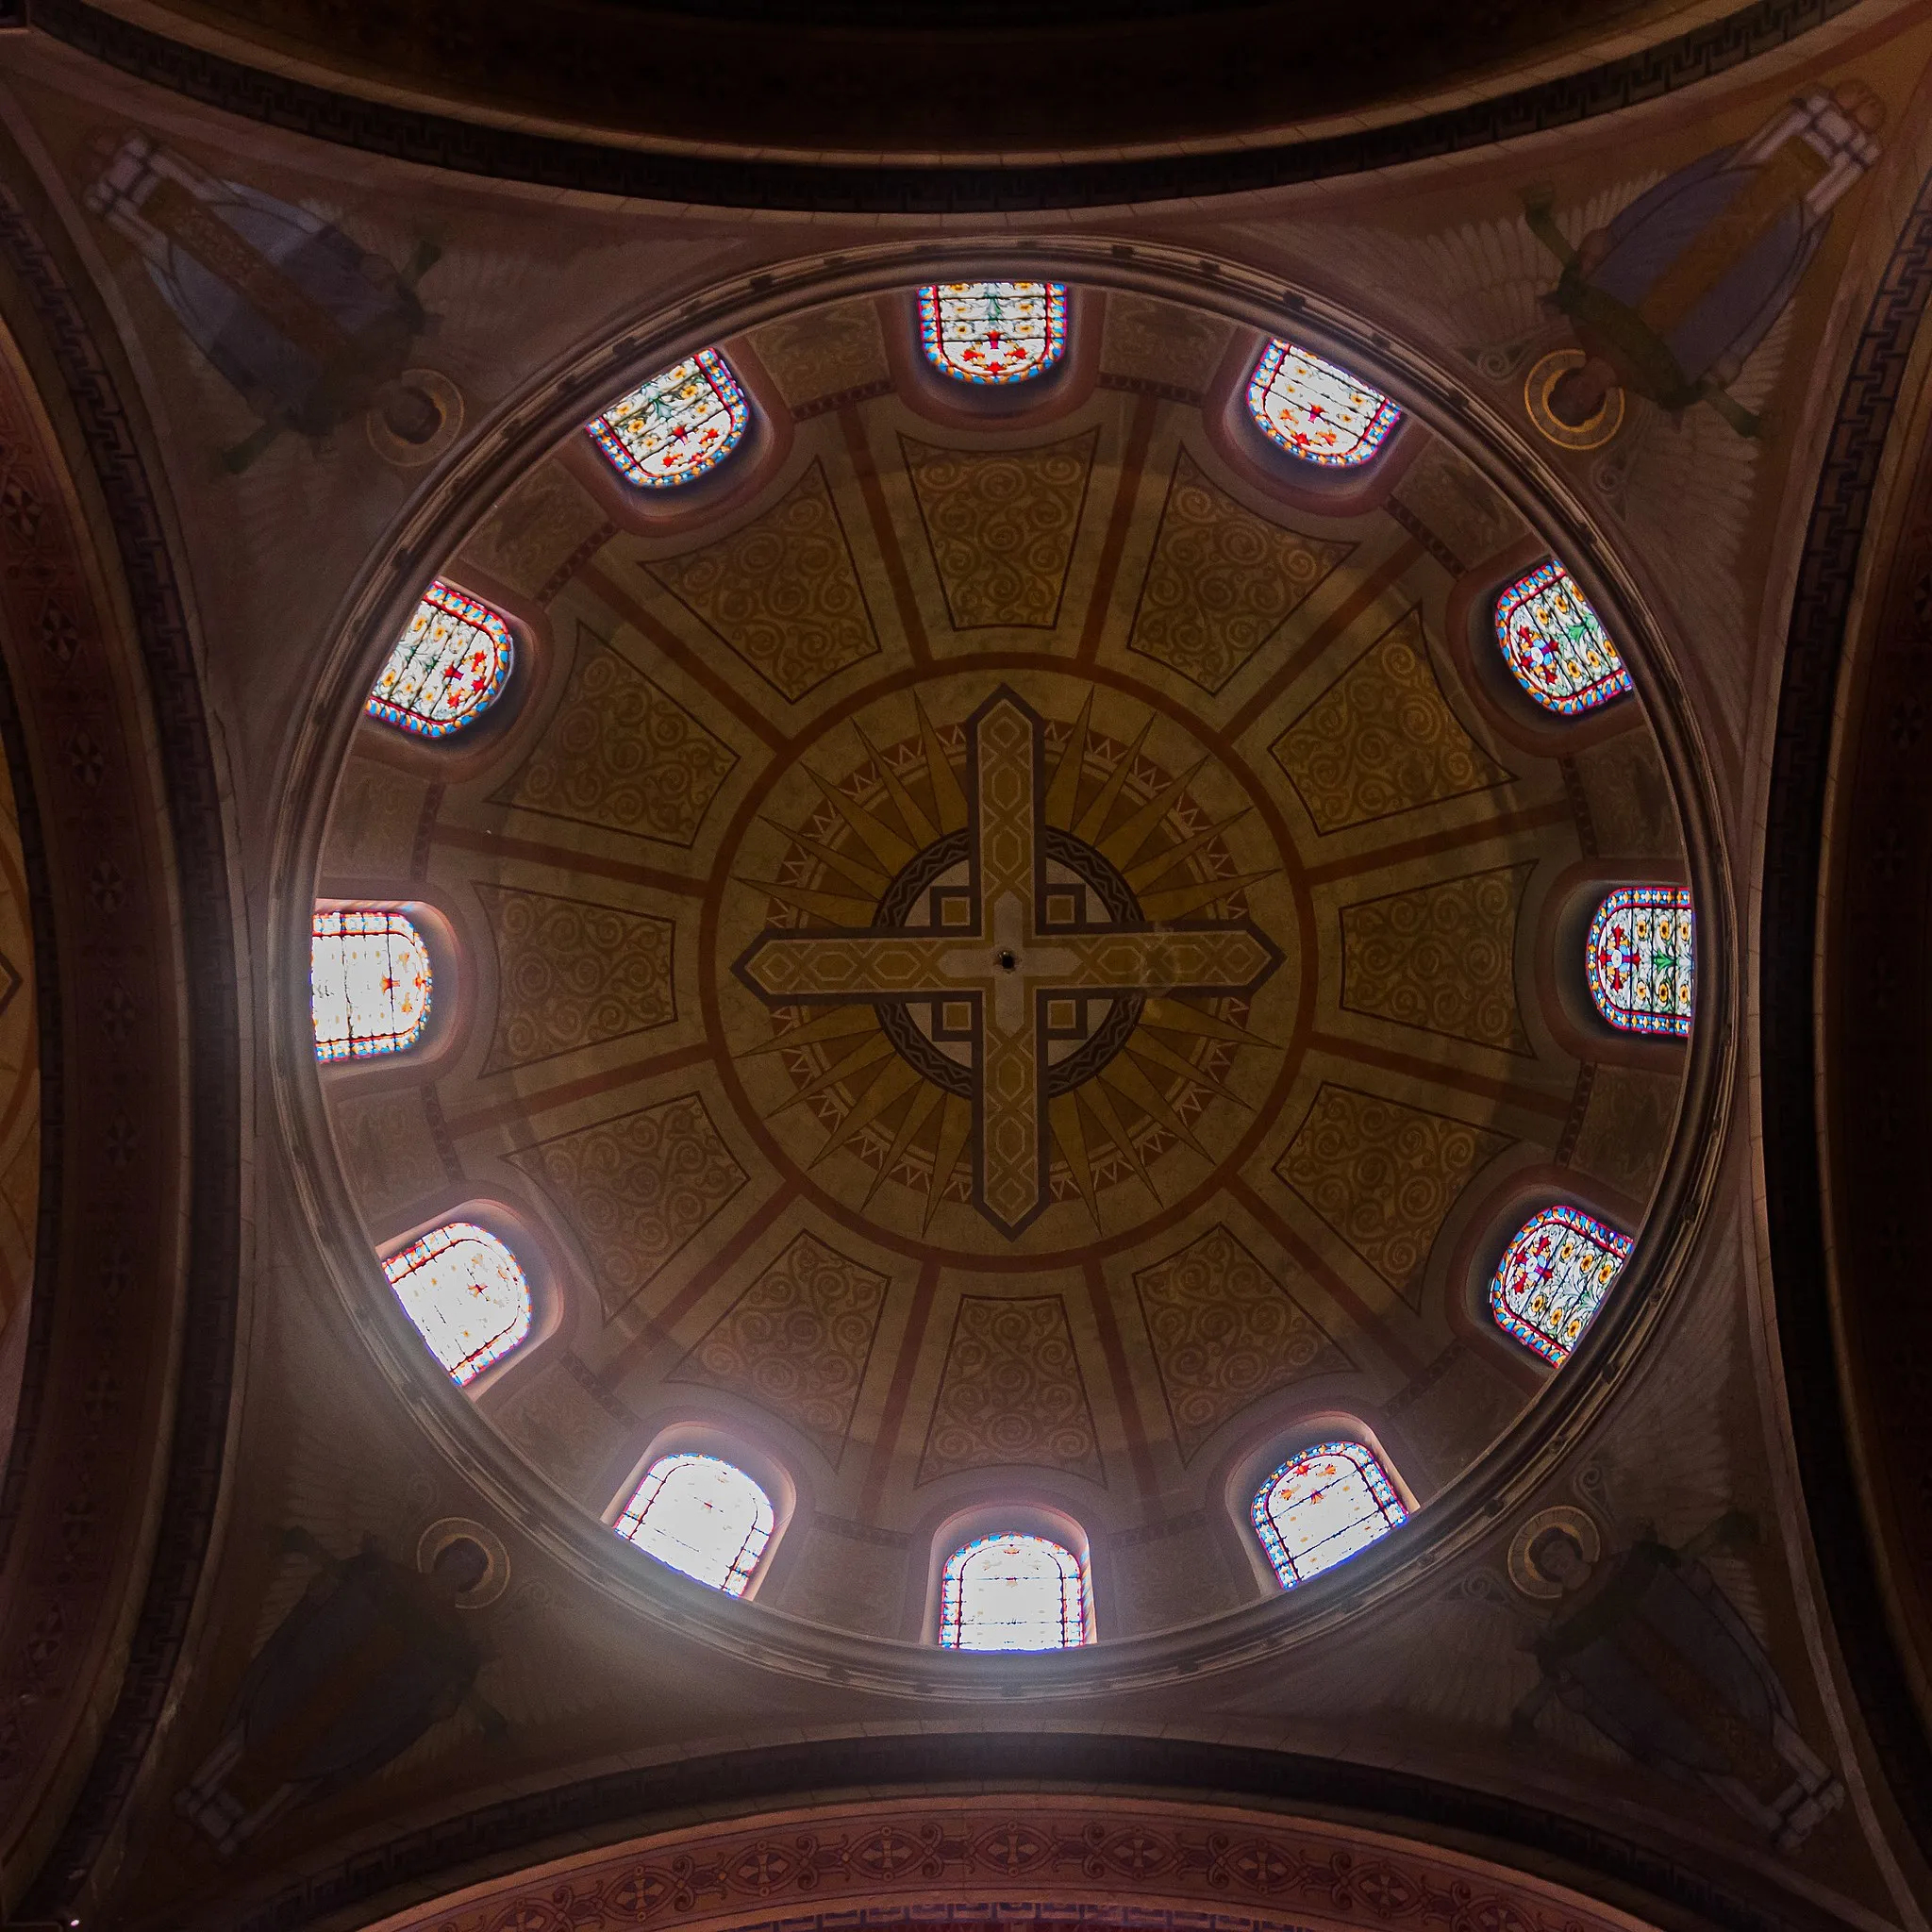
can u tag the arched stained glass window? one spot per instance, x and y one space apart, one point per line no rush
464 1291
1317 411
448 667
994 331
1556 644
1013 1592
1323 1505
676 427
368 984
1641 959
1554 1277
701 1515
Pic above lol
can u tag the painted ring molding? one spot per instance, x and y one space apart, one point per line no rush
455 500
1017 1859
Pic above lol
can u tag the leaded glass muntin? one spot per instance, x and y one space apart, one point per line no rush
1555 645
676 427
1324 1504
465 1289
1316 410
992 336
1024 1586
1640 959
697 1509
374 980
449 667
1553 1276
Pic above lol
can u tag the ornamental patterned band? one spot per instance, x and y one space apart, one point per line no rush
1322 1507
994 331
1641 959
701 1515
675 427
448 667
368 984
1013 1592
1554 1277
1555 643
1316 411
467 1296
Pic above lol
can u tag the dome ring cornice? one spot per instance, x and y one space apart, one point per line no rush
1472 1509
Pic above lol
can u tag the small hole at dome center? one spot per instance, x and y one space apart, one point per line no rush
1009 959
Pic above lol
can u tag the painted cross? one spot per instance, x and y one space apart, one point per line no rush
997 947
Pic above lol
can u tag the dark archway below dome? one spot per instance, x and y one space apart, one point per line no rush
936 121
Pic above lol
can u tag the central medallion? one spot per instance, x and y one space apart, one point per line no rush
1020 952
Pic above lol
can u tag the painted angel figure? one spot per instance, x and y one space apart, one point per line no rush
372 1656
1671 297
310 328
1645 1646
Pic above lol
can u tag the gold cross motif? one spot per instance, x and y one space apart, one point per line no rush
998 953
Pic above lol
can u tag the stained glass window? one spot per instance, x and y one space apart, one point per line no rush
1641 959
676 427
464 1291
448 667
994 331
1317 411
1322 1507
1012 1593
1554 1277
1556 644
368 984
701 1515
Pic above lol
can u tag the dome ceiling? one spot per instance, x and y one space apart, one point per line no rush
1217 748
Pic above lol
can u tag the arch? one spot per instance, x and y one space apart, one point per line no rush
1641 959
1317 411
467 1295
701 1515
1013 1591
1323 1505
1552 1278
448 667
1555 643
993 332
677 426
368 983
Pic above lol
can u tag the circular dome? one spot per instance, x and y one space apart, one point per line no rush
1011 951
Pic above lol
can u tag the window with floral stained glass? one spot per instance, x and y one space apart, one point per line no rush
1316 410
994 331
1013 1591
1556 644
1641 959
1323 1505
368 983
1554 1277
448 667
675 427
701 1515
466 1295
